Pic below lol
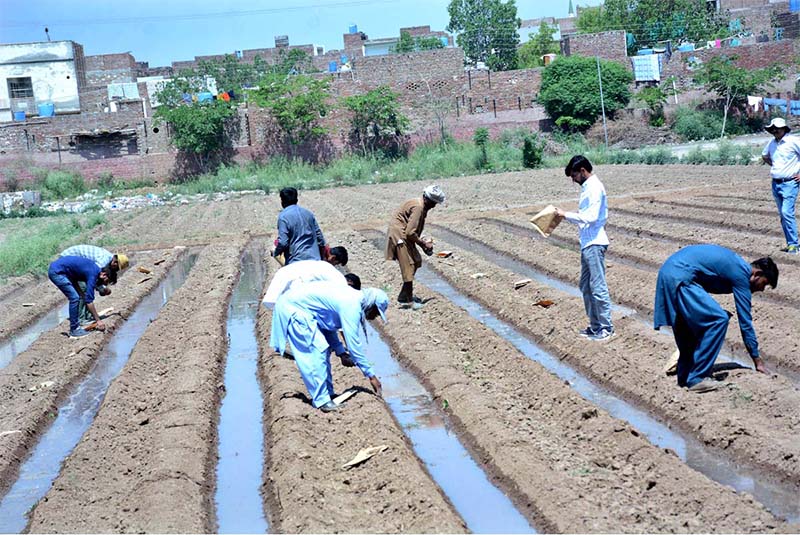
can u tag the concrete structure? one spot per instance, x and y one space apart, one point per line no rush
41 73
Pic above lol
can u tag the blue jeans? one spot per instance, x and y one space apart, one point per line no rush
785 194
67 288
596 299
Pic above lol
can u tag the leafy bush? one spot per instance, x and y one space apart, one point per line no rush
105 181
532 152
62 184
481 139
692 124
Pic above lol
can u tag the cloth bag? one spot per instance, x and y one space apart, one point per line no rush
546 221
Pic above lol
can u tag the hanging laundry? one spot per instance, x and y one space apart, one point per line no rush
779 102
794 107
647 68
186 97
224 96
754 102
232 94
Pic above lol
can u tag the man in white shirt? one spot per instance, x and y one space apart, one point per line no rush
782 154
301 272
591 219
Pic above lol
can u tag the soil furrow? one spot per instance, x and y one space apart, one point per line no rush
635 288
307 490
22 309
34 384
573 467
156 429
740 208
755 413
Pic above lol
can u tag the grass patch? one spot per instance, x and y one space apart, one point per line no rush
32 248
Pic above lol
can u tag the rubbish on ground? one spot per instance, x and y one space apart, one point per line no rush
159 261
344 396
3 433
671 367
142 269
444 254
28 304
144 280
105 311
364 455
544 303
45 384
520 283
478 275
546 221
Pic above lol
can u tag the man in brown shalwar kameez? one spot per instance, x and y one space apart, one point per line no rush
405 233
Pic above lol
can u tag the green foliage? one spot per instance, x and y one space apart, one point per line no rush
732 83
377 124
570 91
428 43
62 184
408 44
487 31
533 152
651 21
105 181
654 97
481 139
297 104
31 249
541 43
405 44
692 124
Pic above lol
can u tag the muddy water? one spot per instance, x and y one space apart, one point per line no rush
37 473
23 340
241 438
781 501
482 506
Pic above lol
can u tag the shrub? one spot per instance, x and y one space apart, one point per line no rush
696 156
481 139
532 152
105 181
63 184
691 124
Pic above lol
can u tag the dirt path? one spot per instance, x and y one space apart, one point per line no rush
570 466
28 407
157 424
307 491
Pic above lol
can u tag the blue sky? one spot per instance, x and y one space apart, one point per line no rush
162 31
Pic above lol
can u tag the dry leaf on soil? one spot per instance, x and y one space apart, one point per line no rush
365 454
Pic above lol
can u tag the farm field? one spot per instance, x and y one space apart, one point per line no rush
491 403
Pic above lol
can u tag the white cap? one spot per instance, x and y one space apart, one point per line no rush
777 122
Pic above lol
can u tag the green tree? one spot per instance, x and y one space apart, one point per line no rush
487 31
481 139
533 151
405 44
377 124
541 43
570 90
721 75
651 21
296 103
430 42
654 97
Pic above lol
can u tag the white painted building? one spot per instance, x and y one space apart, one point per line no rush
36 74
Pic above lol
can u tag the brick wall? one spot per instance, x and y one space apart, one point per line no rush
606 45
757 55
105 69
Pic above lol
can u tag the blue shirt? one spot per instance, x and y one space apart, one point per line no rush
299 236
718 271
98 255
78 269
332 307
785 156
592 213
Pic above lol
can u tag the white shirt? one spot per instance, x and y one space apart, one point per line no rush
301 272
592 213
785 156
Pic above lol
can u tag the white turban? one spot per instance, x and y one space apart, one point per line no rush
434 193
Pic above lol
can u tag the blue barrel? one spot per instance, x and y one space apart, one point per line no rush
19 115
332 66
794 6
47 109
446 41
353 28
343 58
205 96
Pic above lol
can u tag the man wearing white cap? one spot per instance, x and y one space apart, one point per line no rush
405 233
782 154
309 317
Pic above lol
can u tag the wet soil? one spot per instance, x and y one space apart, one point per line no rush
22 308
156 428
551 450
307 490
39 379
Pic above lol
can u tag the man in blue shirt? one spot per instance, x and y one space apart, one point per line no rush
309 317
782 154
698 322
66 273
591 219
108 262
299 235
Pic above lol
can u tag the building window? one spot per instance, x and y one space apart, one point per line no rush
20 88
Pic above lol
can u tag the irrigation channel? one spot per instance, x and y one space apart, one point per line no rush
241 437
781 501
484 508
23 340
78 411
503 260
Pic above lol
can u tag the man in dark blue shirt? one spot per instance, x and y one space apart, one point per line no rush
698 322
299 235
66 272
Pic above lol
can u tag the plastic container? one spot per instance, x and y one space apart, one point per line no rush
794 6
446 42
19 115
687 47
47 109
353 28
332 66
549 58
645 52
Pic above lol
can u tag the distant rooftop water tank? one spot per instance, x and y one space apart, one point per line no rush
353 28
332 66
445 41
645 52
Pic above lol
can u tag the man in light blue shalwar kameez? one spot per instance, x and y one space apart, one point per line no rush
698 322
309 317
